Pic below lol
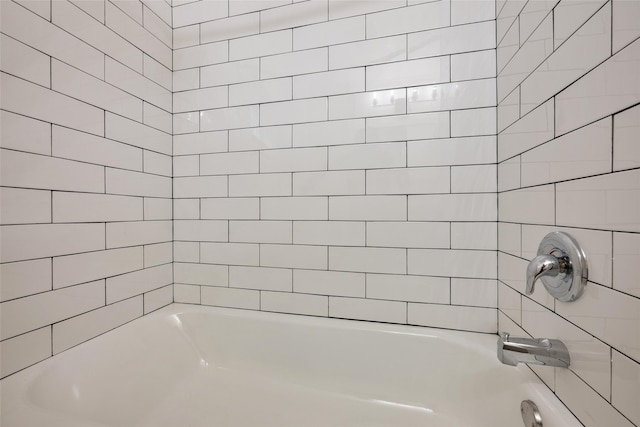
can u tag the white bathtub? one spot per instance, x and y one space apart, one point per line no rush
202 366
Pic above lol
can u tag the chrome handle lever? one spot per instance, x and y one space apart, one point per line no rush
542 265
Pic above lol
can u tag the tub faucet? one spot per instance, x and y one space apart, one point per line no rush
541 351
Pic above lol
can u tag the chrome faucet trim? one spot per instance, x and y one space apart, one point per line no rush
541 351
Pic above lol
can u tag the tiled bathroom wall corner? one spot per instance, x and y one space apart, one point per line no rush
568 117
337 158
85 173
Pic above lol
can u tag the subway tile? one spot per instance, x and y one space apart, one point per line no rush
291 64
408 73
570 16
121 234
328 183
260 138
408 288
22 97
369 52
450 40
473 179
531 130
335 132
408 127
608 202
158 254
25 350
533 14
329 83
408 234
260 231
625 385
452 96
233 298
286 302
366 309
473 65
534 205
157 208
589 407
293 159
133 133
609 88
132 8
73 269
368 156
474 292
329 233
588 47
476 319
294 256
201 230
186 209
155 163
368 208
626 23
187 294
200 186
335 283
510 303
137 35
230 118
474 235
453 207
196 12
260 91
507 15
33 312
344 8
299 111
157 118
229 163
24 133
468 11
186 36
238 7
158 298
186 166
198 56
25 62
510 238
40 7
132 82
191 78
410 19
201 274
473 122
19 206
46 37
186 123
626 263
294 208
456 263
199 143
230 208
294 15
261 278
274 184
509 110
79 207
131 183
508 46
408 181
35 171
368 260
200 99
626 153
72 19
131 284
20 279
329 33
509 174
368 104
260 45
230 28
451 151
586 151
230 253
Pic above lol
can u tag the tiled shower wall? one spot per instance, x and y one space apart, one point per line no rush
85 171
569 159
337 158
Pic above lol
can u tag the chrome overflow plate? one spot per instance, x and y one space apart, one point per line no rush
530 414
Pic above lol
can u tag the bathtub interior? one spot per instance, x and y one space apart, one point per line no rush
189 365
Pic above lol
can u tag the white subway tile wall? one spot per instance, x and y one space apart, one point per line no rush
569 92
86 220
320 147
